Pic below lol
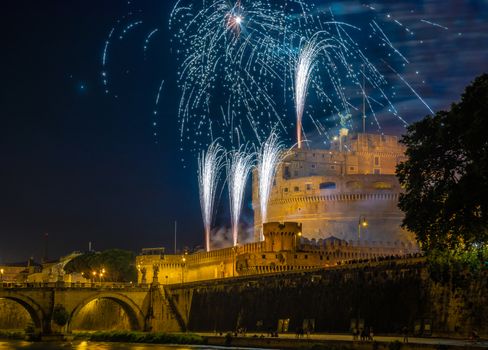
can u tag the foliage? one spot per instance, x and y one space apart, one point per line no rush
18 335
458 267
60 315
119 265
445 176
140 337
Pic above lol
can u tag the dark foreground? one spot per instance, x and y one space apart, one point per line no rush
343 342
285 341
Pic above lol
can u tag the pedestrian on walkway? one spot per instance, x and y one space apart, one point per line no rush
354 334
405 334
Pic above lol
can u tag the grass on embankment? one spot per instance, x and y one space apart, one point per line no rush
140 337
12 334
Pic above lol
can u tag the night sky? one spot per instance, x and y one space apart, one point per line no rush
83 165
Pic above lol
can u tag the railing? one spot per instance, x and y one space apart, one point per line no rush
73 285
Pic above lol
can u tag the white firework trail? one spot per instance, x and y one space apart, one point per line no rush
239 165
303 70
269 157
210 164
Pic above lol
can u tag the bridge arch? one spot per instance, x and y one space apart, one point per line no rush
34 310
133 312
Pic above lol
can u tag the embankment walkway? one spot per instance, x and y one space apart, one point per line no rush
332 341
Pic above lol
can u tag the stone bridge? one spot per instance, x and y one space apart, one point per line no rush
148 307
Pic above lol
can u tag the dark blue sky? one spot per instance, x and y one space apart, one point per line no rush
84 166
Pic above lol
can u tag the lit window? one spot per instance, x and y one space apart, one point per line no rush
382 185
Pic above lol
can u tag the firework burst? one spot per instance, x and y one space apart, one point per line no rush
231 64
210 164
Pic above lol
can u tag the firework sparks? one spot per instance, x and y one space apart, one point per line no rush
210 164
269 157
239 164
303 71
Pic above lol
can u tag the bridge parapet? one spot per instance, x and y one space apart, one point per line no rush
51 285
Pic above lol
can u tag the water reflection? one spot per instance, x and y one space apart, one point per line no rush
85 345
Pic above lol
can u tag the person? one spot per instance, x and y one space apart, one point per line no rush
354 334
371 334
405 334
474 336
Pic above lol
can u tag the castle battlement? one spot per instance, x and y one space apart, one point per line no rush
283 249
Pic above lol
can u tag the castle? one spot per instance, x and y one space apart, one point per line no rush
327 207
349 191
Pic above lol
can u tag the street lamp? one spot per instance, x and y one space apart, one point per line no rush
1 274
183 261
297 239
362 222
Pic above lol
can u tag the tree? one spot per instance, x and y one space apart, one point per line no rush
119 265
445 176
60 315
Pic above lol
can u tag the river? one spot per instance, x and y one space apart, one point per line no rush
86 345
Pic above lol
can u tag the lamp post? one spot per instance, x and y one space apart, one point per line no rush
297 240
183 261
1 274
362 222
101 274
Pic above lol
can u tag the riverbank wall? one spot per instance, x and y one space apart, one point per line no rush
386 297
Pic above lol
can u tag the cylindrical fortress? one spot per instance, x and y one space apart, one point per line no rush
348 191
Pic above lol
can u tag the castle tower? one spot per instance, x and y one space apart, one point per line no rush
280 237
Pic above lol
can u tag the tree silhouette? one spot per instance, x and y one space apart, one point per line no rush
445 176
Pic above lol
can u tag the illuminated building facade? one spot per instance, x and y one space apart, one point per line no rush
327 207
333 192
283 250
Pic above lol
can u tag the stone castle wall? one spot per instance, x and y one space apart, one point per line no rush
386 296
284 249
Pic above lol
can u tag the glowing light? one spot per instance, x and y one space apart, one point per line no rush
239 164
210 164
269 157
238 19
